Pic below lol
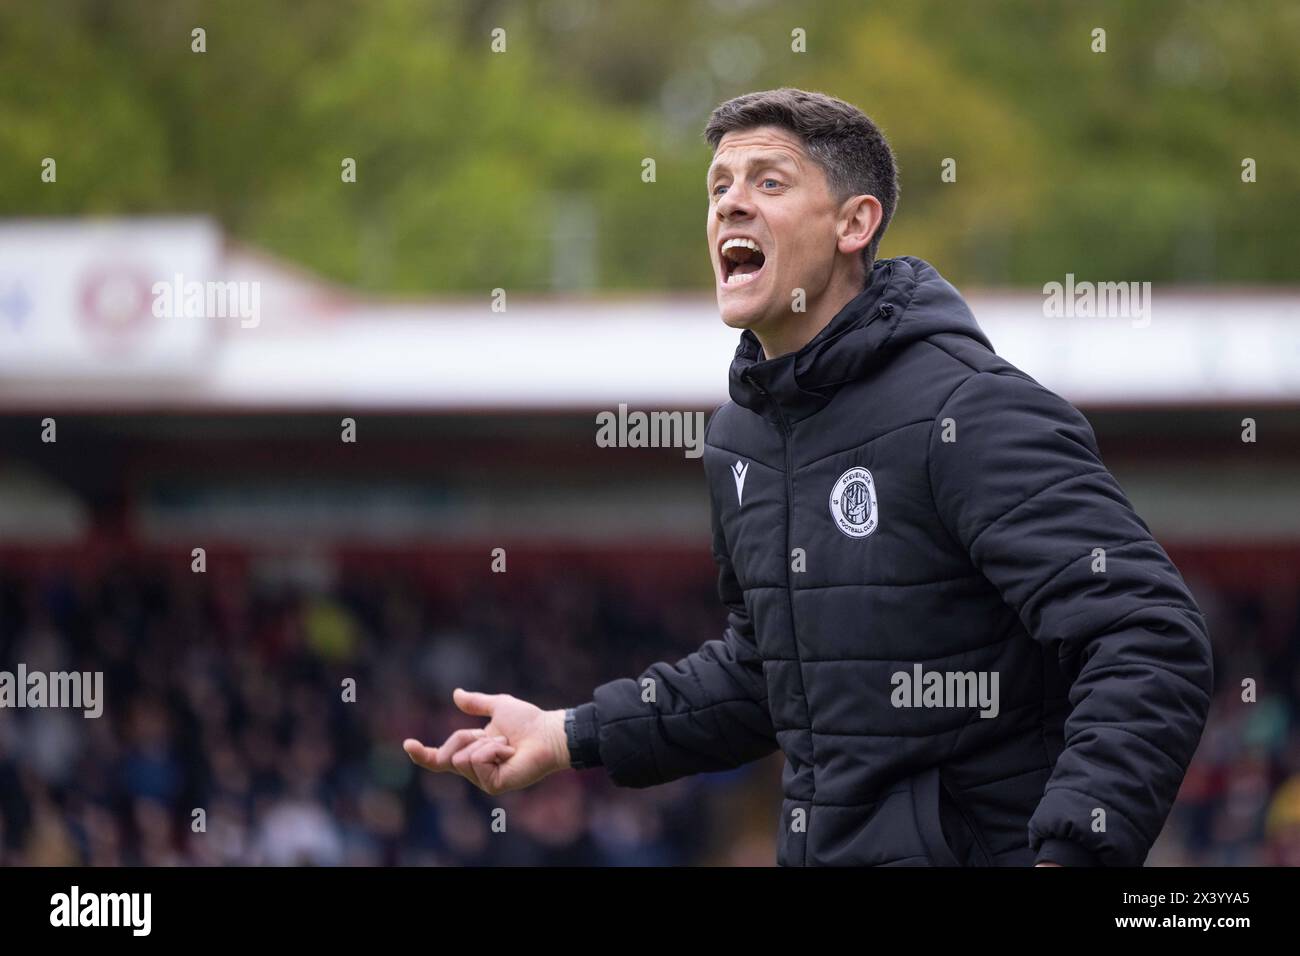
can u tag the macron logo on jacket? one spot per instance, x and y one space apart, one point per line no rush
738 471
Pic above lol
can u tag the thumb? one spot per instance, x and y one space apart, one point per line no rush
480 705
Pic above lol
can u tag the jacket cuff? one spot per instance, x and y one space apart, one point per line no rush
1066 853
582 734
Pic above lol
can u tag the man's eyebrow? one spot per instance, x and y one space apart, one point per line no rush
759 159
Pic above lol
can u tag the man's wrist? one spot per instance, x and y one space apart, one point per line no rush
555 721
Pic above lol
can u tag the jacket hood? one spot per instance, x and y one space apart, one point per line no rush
904 299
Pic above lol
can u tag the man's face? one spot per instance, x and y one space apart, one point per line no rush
764 187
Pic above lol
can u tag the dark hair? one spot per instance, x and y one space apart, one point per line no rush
839 137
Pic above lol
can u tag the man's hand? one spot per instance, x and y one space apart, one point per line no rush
520 745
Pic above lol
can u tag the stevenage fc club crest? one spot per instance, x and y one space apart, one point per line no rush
853 503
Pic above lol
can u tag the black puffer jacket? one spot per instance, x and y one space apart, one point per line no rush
893 500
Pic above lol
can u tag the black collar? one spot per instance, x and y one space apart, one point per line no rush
799 384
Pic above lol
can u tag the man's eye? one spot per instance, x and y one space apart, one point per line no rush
771 180
717 187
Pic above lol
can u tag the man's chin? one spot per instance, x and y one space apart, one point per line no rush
737 316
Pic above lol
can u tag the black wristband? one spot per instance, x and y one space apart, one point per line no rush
582 735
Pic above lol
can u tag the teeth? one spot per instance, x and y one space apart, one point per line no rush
747 243
740 242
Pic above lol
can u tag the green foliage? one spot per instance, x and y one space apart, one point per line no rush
471 164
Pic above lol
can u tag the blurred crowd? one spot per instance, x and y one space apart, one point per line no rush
1240 801
229 735
226 737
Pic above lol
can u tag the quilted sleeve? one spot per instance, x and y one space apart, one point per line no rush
1023 489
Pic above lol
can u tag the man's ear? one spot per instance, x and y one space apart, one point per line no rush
860 217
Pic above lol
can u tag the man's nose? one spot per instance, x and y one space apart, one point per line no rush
734 202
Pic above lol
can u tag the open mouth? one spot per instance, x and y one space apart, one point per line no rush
742 260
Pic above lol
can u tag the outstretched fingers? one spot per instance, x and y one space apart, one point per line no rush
439 759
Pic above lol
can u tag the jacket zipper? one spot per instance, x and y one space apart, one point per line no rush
789 586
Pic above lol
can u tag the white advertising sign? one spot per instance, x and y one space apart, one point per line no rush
81 299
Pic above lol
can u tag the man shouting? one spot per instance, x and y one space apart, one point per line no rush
940 605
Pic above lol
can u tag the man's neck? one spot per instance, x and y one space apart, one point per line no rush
797 329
